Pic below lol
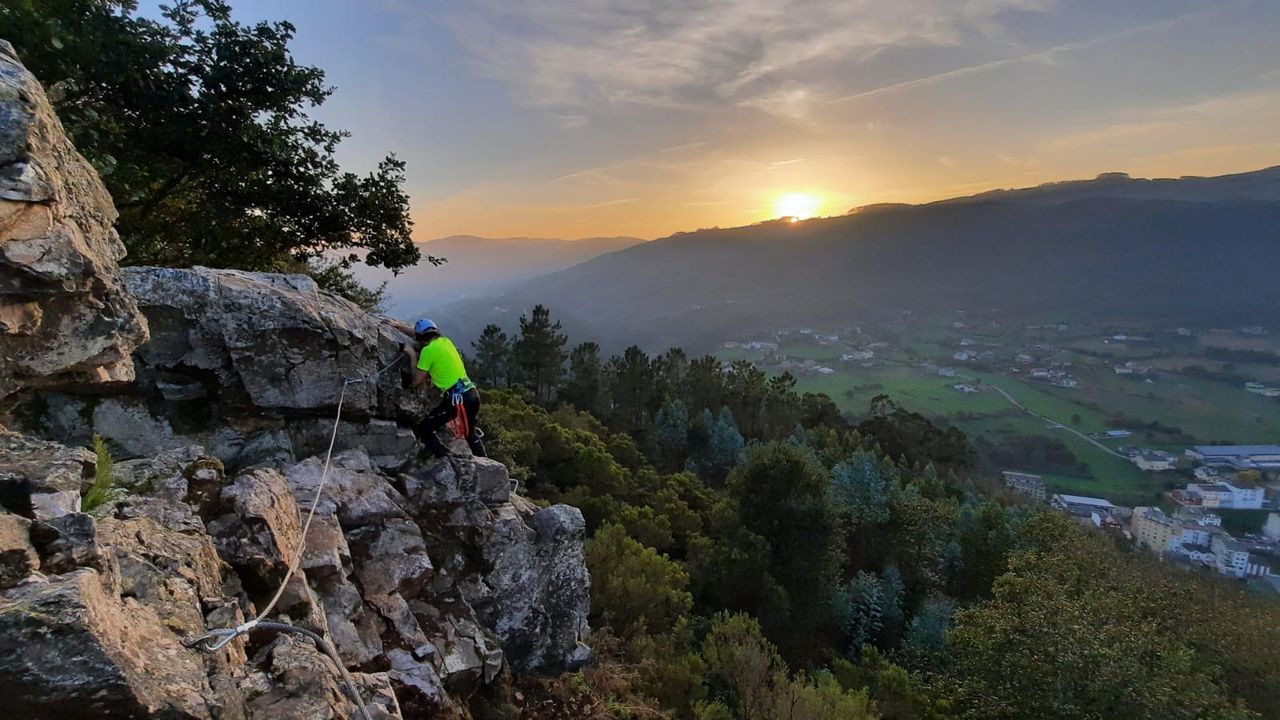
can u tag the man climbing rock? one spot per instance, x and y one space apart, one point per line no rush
436 357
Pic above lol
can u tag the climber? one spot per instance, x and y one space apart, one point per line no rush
436 357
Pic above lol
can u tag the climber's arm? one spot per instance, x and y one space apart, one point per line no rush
417 375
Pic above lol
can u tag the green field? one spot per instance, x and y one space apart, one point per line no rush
1202 409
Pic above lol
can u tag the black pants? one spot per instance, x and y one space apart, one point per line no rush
442 415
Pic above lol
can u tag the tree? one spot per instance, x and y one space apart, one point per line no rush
743 665
199 127
493 357
1069 635
752 680
782 494
671 432
539 353
715 445
860 490
585 388
634 590
634 388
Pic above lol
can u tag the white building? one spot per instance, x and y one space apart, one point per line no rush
1272 528
1154 460
1025 484
1161 533
1234 559
1241 457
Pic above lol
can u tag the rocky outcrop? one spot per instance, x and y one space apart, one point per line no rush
431 581
65 318
251 366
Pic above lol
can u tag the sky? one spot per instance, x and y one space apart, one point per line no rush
581 118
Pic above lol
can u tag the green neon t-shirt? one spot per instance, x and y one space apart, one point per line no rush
441 360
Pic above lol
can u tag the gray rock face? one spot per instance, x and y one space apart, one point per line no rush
430 582
18 557
64 316
68 648
267 342
538 588
42 479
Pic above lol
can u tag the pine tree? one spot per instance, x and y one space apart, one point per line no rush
539 353
671 432
585 387
493 357
633 386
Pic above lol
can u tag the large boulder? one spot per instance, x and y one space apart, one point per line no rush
65 318
263 342
536 591
69 648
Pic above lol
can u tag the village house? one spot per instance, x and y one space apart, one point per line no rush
1234 558
1025 484
1272 527
1097 512
1258 388
1159 532
1151 460
1224 494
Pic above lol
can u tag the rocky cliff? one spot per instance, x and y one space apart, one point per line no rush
64 315
431 580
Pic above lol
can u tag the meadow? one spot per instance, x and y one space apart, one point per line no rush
1169 412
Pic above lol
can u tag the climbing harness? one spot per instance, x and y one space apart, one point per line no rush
461 423
215 640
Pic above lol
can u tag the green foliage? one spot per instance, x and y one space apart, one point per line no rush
539 352
586 388
782 495
753 681
104 479
1068 637
819 543
634 589
333 278
897 694
199 127
490 366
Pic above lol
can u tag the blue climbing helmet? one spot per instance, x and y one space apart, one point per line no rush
424 326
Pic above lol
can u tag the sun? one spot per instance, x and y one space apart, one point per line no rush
796 206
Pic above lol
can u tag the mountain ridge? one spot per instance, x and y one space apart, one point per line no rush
1081 249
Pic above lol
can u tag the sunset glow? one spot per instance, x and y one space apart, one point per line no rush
797 206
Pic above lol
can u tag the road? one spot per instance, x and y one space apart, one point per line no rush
1055 423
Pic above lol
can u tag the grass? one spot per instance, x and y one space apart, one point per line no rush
1205 410
104 479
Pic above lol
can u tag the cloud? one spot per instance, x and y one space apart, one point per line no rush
700 54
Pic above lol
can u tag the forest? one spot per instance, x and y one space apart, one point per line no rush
755 555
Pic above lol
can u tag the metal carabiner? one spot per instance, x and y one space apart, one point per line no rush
212 641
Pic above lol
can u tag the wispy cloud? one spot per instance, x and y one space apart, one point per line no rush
701 53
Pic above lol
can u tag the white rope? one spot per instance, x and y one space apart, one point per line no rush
311 512
215 640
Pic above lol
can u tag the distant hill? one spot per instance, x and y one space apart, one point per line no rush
1185 251
1261 185
478 265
